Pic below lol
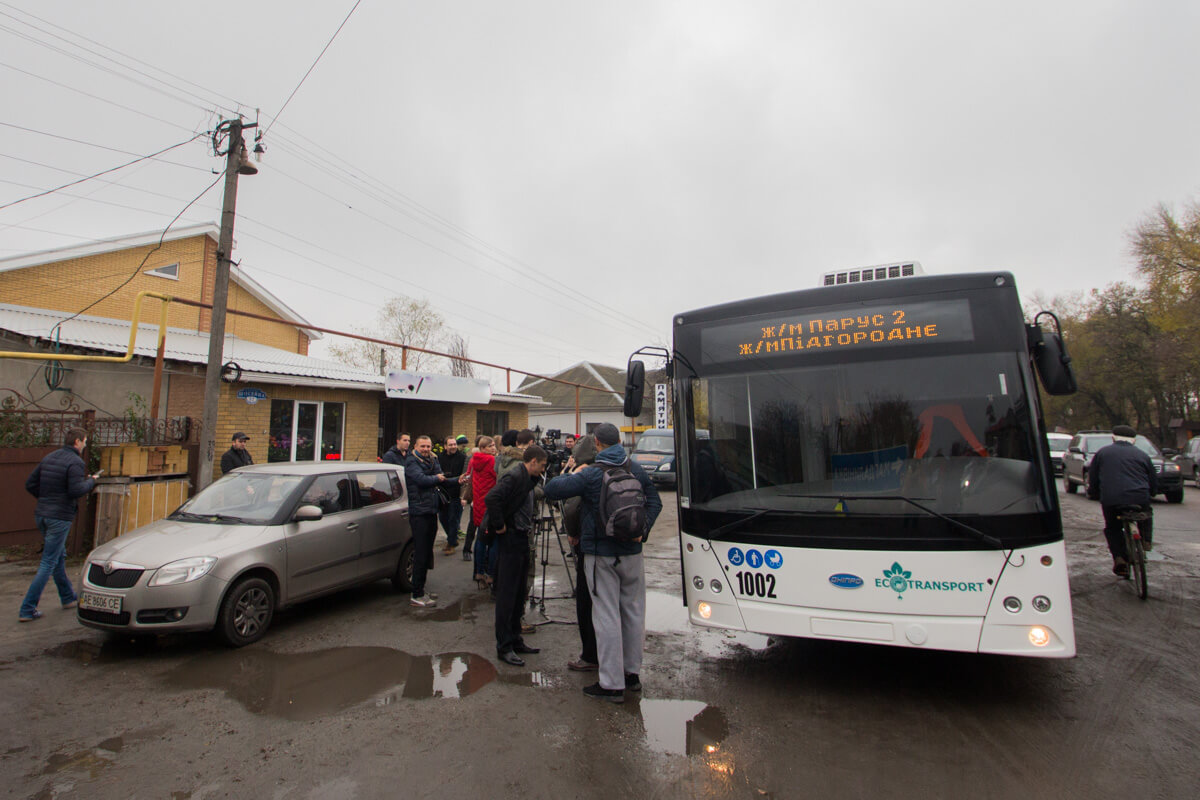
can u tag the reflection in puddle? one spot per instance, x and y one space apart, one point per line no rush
665 613
683 727
300 686
460 609
534 678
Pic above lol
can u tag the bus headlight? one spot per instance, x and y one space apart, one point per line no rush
1041 603
705 610
716 586
698 582
1039 636
1012 605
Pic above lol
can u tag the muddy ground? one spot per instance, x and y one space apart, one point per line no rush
362 696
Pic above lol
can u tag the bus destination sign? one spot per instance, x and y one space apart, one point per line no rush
891 325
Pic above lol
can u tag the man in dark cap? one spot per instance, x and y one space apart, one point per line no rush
1122 475
237 455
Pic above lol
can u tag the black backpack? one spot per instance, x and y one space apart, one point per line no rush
622 504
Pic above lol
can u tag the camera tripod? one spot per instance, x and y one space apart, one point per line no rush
549 521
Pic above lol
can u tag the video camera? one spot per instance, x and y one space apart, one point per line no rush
556 457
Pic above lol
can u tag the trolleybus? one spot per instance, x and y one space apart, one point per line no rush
866 461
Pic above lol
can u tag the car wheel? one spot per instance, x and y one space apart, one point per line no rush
246 612
1070 487
1175 497
403 577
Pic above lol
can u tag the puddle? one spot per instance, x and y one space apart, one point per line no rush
665 613
84 760
534 678
463 609
109 650
683 727
301 686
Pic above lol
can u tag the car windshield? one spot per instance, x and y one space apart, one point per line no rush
1148 447
655 443
1058 444
242 497
953 433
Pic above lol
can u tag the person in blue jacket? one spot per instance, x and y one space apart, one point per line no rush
617 576
57 482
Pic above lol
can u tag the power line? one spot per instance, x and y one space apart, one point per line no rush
99 146
95 97
98 174
310 69
146 258
124 55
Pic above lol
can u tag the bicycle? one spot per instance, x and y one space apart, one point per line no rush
1135 550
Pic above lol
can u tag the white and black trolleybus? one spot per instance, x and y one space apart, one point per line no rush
867 461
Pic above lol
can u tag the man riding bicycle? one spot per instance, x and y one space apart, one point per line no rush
1122 475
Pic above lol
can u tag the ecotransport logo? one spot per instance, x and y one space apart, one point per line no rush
900 580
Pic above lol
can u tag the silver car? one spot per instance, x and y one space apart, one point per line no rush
260 538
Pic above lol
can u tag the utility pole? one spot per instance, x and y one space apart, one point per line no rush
235 163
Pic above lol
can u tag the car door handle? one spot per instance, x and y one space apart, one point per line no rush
351 526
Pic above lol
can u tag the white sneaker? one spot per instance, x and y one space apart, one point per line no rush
423 602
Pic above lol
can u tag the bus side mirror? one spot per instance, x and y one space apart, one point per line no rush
1052 362
635 388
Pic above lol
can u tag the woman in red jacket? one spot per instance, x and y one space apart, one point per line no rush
482 471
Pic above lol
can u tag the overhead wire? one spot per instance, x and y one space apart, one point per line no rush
100 146
238 103
96 97
279 113
98 174
149 253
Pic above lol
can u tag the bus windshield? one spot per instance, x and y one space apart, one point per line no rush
952 432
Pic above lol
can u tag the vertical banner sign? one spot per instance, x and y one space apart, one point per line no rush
660 405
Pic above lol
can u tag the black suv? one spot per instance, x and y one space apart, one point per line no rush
1083 448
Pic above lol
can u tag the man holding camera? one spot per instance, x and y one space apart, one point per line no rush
510 517
615 568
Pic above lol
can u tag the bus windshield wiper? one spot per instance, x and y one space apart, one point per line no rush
975 533
754 514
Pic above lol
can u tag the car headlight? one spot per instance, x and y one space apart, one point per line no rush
666 467
184 570
1170 468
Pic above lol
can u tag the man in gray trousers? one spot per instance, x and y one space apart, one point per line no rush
616 575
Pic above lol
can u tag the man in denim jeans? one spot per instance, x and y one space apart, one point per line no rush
57 483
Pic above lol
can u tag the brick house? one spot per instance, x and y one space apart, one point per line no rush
293 406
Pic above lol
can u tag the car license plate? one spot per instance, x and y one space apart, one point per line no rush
100 602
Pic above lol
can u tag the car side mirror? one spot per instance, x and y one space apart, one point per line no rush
1076 449
1170 452
635 388
308 513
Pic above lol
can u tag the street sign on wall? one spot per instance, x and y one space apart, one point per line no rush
660 406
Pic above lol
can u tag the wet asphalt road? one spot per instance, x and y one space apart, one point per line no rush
360 695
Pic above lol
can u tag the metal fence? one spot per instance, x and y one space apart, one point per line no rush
49 429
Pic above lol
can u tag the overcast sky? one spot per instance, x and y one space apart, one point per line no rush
559 178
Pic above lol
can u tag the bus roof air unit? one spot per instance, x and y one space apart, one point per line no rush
880 272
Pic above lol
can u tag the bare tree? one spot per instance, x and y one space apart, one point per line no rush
405 320
456 345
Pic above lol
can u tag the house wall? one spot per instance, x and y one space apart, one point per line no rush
361 425
88 385
72 284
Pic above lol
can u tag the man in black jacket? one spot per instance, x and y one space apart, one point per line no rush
454 465
398 454
510 517
1122 475
237 455
57 482
422 476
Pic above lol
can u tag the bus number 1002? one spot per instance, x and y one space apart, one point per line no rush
755 584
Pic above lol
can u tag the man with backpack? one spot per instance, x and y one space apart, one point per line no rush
620 505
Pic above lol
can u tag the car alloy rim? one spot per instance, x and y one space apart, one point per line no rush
251 610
